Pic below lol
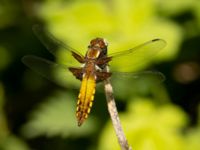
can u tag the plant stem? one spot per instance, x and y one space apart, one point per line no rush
114 116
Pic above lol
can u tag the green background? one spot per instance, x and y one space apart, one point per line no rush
37 114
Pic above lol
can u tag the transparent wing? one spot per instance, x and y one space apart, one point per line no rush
146 83
57 73
154 75
120 80
53 45
134 58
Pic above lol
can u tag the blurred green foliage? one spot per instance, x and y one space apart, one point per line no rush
34 113
8 13
5 60
8 141
176 7
56 117
152 127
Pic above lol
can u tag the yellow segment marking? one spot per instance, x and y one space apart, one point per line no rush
90 104
79 95
78 102
88 111
92 97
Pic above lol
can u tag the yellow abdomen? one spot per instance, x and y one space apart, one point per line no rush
85 98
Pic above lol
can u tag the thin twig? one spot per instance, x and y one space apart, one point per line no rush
114 116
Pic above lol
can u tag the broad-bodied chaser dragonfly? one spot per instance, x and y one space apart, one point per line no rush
94 63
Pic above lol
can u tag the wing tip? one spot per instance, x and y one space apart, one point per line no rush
158 39
25 58
164 43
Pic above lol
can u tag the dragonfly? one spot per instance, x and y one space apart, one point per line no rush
93 66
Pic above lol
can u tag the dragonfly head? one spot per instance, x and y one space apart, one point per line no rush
98 42
97 48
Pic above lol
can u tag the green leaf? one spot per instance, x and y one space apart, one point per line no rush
56 116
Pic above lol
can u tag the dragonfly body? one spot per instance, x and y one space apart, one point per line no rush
92 71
